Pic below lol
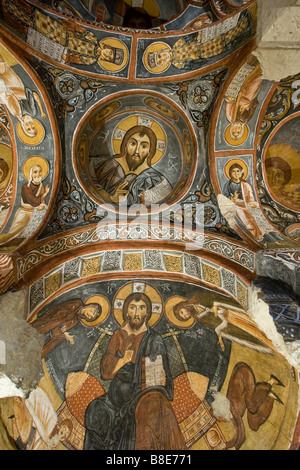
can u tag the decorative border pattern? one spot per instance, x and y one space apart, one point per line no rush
236 253
137 261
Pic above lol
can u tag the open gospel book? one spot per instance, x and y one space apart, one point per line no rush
154 372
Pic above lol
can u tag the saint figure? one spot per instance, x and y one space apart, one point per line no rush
33 196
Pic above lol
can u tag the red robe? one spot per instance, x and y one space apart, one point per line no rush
58 320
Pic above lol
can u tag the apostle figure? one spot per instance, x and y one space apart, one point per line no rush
240 109
192 49
81 46
129 175
229 322
57 322
136 413
80 51
33 205
240 192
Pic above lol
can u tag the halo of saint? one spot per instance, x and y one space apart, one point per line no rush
172 306
236 138
119 55
236 161
154 57
138 288
31 162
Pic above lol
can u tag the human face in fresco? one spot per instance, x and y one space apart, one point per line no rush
163 58
36 174
184 314
137 150
29 126
106 54
276 178
137 313
89 313
236 175
236 129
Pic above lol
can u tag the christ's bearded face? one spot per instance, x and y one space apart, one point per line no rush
137 150
137 314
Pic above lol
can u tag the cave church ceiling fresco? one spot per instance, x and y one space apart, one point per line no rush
145 164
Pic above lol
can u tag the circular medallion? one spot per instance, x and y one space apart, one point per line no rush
236 161
158 57
36 134
113 55
236 137
135 149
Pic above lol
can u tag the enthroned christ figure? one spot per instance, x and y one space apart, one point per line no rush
136 413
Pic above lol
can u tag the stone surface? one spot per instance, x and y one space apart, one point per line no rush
279 266
22 369
278 38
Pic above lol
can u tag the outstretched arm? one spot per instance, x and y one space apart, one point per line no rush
220 313
39 102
